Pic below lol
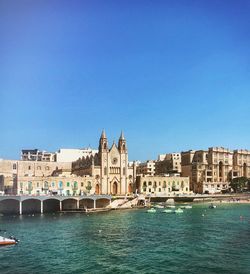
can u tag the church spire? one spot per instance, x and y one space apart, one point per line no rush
103 136
122 136
122 146
103 142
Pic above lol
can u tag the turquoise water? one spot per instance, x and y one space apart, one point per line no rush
130 241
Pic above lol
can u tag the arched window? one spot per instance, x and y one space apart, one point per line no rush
60 184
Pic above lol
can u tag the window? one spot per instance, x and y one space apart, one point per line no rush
82 184
68 184
37 184
53 184
105 170
29 168
14 166
159 189
150 183
124 171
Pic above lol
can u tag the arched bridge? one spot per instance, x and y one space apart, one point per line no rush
31 204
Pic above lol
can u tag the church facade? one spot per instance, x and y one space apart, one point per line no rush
109 169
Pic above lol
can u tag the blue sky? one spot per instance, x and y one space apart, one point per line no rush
174 75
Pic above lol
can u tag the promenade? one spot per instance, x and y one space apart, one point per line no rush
48 203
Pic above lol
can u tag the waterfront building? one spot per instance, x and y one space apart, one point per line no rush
109 169
171 163
37 155
105 172
11 172
162 185
71 155
241 163
210 171
146 168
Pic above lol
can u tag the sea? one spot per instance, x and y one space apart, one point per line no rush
199 240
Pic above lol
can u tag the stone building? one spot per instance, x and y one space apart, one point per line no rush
105 172
241 163
71 155
14 172
146 168
37 155
210 171
171 163
109 168
162 185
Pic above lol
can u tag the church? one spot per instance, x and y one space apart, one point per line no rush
109 169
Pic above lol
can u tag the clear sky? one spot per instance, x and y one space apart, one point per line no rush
174 75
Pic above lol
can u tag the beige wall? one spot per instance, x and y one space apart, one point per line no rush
160 185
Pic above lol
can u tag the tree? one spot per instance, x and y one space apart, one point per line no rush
239 183
88 187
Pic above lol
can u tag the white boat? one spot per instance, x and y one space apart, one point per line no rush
151 210
186 207
159 206
168 211
212 206
179 210
170 206
8 241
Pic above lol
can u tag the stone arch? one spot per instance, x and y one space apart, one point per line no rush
245 170
9 206
103 202
130 188
220 169
31 206
69 204
86 203
97 189
51 205
115 188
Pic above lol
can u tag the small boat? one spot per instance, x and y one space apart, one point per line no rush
8 241
151 210
179 210
186 207
170 206
159 206
212 206
168 211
